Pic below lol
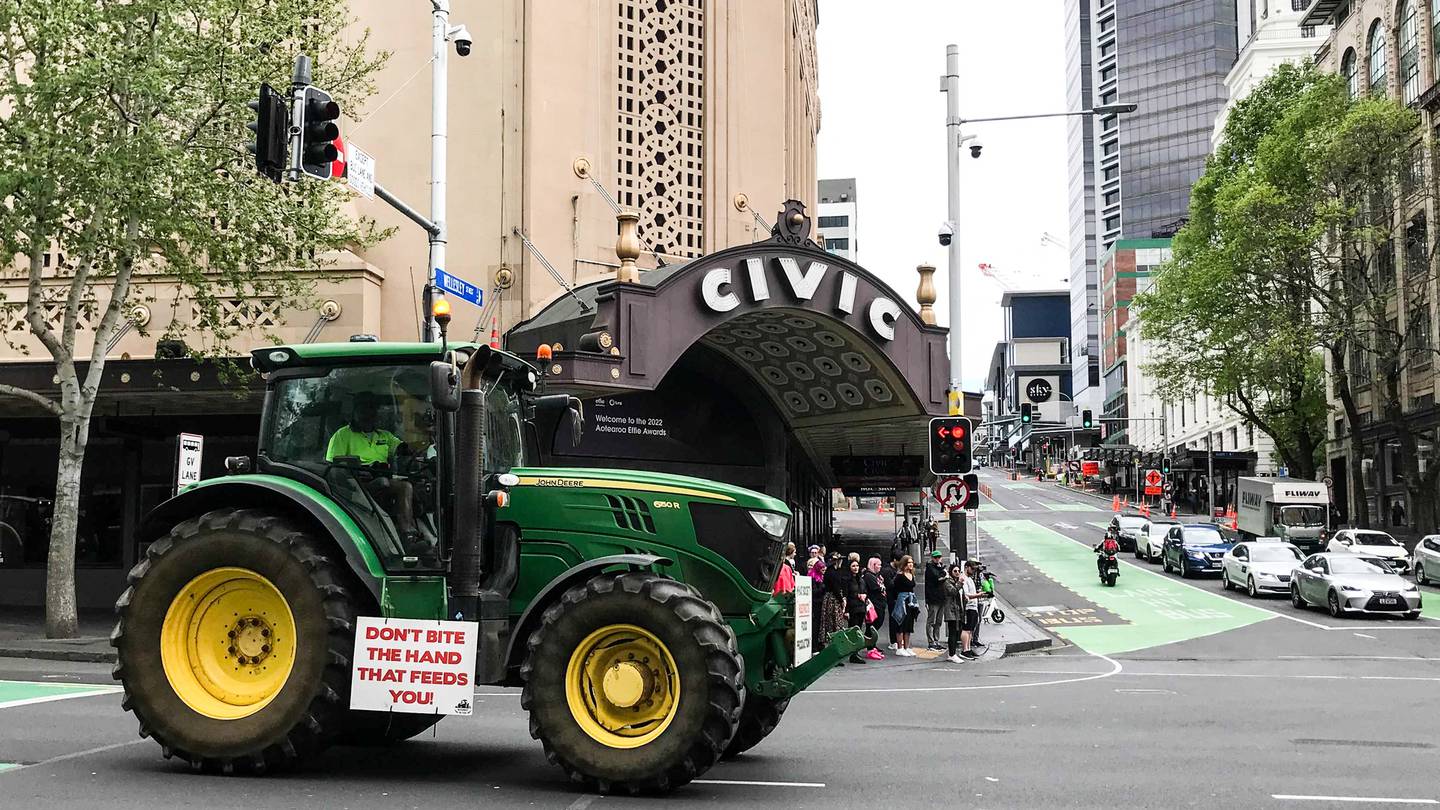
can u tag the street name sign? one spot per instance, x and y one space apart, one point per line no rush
459 287
415 666
360 170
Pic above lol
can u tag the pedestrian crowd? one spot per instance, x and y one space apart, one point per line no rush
872 595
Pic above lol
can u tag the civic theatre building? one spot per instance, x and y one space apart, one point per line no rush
727 345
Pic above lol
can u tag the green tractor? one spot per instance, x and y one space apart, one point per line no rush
393 480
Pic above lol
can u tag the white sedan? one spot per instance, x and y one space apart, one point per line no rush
1259 567
1426 559
1152 538
1371 543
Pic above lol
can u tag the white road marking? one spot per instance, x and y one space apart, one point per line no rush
1356 658
1129 674
1116 669
1359 799
1362 635
98 690
756 784
1145 691
583 802
77 755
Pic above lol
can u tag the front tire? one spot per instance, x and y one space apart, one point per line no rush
1333 602
1250 589
1296 599
233 643
633 684
1225 583
757 720
1420 574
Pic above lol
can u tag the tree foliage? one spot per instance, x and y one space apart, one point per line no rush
123 156
1224 316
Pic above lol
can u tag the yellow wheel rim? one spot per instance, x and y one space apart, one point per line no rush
622 686
228 643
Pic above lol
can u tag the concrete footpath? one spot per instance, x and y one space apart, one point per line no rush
22 635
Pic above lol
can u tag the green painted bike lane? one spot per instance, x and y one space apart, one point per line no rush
25 693
1160 610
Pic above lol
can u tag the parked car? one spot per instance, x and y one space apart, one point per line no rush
1349 583
1152 537
1371 543
1194 548
1259 567
1126 531
1425 559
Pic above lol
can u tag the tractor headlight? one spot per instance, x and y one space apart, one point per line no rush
772 523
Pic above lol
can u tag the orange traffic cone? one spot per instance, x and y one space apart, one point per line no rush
1145 509
1115 504
1172 511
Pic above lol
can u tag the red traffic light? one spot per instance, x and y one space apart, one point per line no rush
944 432
957 432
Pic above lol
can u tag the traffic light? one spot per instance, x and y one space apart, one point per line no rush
272 121
1025 413
1165 465
950 438
318 131
1087 419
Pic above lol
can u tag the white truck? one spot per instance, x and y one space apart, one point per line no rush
1293 510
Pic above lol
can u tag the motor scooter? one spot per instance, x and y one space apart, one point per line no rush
1107 565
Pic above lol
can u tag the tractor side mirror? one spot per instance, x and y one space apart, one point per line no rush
444 386
562 406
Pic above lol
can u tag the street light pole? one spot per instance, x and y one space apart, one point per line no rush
952 168
439 138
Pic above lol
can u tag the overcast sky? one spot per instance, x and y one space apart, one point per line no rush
883 123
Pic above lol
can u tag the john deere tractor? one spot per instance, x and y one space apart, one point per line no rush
395 480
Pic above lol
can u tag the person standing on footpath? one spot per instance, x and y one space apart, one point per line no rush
887 576
903 607
972 609
934 600
856 602
832 607
877 592
815 569
954 611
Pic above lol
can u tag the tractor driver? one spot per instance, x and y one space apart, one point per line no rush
362 438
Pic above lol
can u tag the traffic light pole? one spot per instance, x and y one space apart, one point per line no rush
298 82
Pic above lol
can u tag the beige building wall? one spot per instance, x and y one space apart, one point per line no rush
545 88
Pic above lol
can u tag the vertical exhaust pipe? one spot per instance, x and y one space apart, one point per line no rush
467 558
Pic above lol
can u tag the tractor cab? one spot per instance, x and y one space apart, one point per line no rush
359 421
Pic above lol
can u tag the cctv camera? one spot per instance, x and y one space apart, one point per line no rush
947 232
460 35
975 148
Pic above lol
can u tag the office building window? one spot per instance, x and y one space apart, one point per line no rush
837 244
1307 32
1377 58
841 221
1298 5
1409 52
1351 73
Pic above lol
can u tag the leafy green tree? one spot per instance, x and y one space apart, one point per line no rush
1224 316
123 153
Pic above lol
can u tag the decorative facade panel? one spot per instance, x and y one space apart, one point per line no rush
660 106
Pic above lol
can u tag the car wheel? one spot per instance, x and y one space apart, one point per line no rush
1295 598
1250 588
1165 562
1334 602
1180 566
1138 555
1420 574
1224 580
1413 615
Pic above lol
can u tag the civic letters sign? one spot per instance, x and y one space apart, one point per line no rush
720 290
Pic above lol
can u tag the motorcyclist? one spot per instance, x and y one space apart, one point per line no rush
1109 547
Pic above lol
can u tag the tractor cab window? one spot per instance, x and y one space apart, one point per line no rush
504 436
368 433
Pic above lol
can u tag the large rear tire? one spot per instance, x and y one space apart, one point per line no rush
234 643
633 683
757 720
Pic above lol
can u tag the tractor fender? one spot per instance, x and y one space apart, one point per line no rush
530 619
286 497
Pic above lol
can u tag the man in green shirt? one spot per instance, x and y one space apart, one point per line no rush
363 439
